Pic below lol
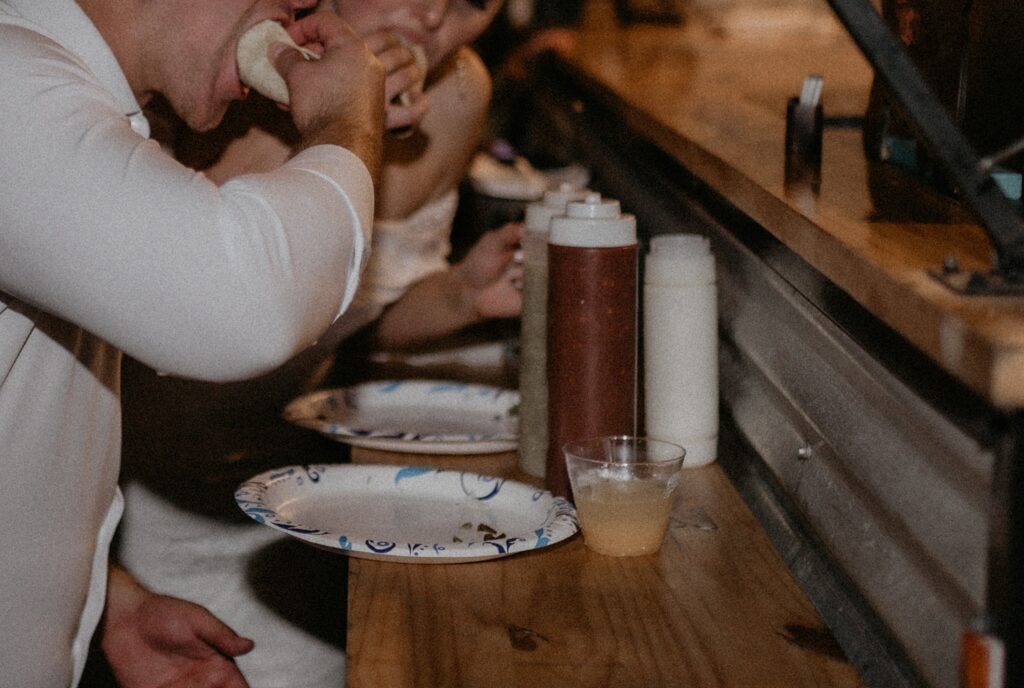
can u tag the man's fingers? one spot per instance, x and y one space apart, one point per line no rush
321 28
380 42
219 635
284 57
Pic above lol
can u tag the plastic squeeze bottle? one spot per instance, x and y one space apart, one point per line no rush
592 328
533 383
681 345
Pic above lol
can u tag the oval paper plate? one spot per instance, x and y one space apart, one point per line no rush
417 416
406 513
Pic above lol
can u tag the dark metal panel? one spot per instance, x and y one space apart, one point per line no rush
896 494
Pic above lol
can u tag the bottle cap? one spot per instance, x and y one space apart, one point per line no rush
593 223
539 213
679 259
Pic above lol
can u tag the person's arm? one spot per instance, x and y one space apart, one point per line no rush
486 284
101 228
155 641
432 161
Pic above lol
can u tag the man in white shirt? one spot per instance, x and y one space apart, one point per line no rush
107 244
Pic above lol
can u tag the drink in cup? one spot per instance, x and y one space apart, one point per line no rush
623 488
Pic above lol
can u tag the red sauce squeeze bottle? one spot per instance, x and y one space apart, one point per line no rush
592 329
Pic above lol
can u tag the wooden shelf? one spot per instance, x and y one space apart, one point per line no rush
713 95
715 607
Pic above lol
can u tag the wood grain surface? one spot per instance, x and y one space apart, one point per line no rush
715 607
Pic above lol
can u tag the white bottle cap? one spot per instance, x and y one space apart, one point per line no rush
679 259
539 213
593 223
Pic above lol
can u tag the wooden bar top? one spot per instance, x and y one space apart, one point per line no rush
715 607
712 93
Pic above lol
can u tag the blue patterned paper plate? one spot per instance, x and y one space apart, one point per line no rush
416 416
410 514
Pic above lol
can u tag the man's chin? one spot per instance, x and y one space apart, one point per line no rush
205 121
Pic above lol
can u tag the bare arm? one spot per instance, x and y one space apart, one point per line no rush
430 163
194 280
486 284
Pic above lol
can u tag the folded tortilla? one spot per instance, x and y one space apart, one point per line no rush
254 65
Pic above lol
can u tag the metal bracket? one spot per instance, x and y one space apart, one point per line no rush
937 131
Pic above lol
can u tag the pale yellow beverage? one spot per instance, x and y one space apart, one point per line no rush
624 518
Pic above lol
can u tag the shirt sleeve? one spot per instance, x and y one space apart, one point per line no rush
100 227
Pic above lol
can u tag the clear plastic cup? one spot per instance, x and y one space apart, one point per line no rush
623 488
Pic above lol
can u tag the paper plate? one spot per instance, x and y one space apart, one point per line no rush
417 515
416 416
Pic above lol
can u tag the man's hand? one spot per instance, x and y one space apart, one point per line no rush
339 98
486 284
155 641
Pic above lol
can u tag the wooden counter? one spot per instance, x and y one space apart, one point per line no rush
713 95
715 607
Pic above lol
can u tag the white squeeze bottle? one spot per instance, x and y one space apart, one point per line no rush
680 309
533 385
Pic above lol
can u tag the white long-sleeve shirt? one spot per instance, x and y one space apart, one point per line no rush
107 244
